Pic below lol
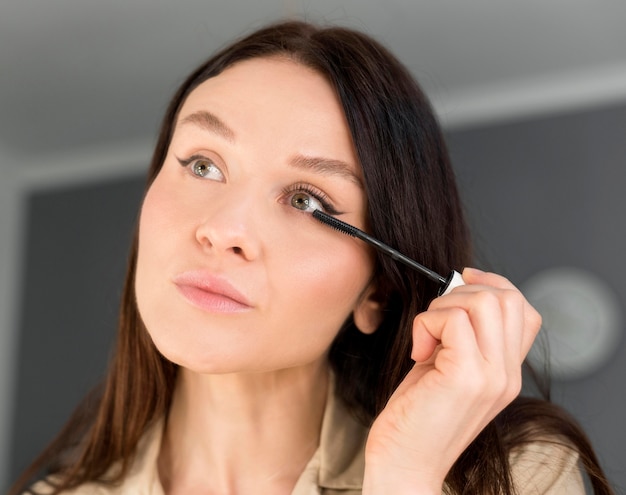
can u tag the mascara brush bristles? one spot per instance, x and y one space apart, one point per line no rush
348 229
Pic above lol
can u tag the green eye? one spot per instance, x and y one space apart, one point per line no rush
201 168
306 202
301 201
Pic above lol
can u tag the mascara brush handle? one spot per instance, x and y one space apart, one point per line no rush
454 280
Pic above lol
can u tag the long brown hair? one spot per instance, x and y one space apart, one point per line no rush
414 206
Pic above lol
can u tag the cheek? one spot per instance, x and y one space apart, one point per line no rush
319 296
327 275
150 224
334 270
159 224
156 213
161 220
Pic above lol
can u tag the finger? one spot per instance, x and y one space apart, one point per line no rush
532 319
450 328
494 331
473 276
424 343
485 343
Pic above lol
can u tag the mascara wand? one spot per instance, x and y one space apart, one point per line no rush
446 284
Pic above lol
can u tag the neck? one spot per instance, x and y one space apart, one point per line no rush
242 433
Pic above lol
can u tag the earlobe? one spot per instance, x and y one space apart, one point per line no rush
368 313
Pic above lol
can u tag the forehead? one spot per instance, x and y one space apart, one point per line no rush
270 72
260 80
272 85
275 99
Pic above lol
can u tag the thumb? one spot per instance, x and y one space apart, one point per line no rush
424 344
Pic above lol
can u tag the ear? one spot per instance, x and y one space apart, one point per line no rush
368 313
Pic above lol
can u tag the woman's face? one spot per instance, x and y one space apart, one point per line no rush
233 273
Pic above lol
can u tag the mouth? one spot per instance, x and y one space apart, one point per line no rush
210 293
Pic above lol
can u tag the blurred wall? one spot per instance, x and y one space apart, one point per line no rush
540 192
10 283
75 253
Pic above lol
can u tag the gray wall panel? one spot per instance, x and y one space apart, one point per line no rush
76 246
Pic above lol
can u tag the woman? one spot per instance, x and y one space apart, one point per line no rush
261 351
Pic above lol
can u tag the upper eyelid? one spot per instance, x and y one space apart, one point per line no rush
196 156
310 189
201 156
186 162
327 202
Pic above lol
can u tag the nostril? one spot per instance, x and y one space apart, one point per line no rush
237 250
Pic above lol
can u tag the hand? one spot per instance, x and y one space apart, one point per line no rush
468 348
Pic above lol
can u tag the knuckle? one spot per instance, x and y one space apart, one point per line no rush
487 298
457 316
512 299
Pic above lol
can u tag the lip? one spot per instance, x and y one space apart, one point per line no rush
211 293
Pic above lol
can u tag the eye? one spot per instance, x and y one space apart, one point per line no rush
307 198
203 168
305 202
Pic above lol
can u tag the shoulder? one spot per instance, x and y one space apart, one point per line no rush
141 477
542 439
549 466
45 487
130 485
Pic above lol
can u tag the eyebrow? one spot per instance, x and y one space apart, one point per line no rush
210 122
326 166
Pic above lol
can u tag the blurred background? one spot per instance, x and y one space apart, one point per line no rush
532 96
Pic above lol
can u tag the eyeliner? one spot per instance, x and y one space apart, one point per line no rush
446 284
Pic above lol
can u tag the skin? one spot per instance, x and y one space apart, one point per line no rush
254 375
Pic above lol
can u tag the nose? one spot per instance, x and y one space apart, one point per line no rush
230 226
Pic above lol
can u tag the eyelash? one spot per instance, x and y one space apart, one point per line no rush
189 162
312 191
287 191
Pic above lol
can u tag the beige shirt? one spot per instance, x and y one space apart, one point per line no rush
338 464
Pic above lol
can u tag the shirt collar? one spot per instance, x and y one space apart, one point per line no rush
341 453
342 447
143 476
